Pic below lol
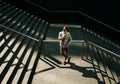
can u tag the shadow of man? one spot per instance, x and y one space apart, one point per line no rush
86 73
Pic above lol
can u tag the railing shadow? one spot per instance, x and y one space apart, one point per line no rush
47 69
86 73
103 62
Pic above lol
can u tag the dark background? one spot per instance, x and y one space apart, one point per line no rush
105 11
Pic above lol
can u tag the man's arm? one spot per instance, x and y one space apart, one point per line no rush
60 36
69 41
70 38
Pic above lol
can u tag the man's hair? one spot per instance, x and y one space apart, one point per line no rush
65 27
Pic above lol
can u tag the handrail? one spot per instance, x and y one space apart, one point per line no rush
88 42
19 33
103 48
34 4
73 41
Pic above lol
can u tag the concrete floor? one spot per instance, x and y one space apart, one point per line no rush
76 72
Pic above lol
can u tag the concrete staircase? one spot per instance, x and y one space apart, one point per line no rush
26 59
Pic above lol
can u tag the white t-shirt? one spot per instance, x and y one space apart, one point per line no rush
64 40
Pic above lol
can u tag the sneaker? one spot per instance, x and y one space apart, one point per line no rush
64 63
69 59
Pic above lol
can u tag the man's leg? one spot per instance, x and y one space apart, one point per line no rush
63 52
66 53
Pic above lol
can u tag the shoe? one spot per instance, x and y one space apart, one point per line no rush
64 62
69 59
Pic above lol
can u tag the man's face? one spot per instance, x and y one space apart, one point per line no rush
64 29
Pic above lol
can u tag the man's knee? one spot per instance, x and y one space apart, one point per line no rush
61 53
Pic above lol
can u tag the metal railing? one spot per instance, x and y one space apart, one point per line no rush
2 26
52 46
110 57
56 41
106 50
85 44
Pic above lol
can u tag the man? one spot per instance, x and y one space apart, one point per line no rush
64 42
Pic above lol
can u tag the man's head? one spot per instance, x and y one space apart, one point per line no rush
65 28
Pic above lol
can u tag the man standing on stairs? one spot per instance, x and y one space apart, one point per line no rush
64 41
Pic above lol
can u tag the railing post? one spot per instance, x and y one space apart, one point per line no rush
43 48
82 47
